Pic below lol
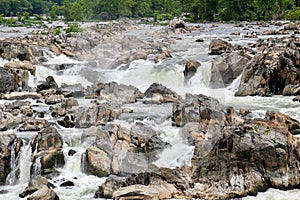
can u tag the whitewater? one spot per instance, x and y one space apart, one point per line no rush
141 74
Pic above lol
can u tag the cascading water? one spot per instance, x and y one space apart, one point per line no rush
142 73
14 163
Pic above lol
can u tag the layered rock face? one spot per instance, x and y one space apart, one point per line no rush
273 70
234 156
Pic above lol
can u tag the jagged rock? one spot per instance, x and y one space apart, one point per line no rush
20 50
233 157
24 65
190 70
34 125
39 188
218 47
54 99
273 71
14 114
226 68
68 121
118 94
6 81
178 24
157 93
48 84
96 115
117 150
48 144
197 108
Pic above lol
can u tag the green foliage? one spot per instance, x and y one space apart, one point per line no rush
202 10
57 31
73 28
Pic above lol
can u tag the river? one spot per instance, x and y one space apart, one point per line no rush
142 73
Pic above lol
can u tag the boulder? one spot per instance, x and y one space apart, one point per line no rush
178 24
226 68
48 84
6 81
218 47
39 188
117 150
157 93
190 70
47 145
14 114
274 71
34 125
197 108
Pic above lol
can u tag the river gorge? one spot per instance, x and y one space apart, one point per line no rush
127 110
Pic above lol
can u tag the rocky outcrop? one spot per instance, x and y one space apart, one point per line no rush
234 156
14 114
190 70
157 93
39 188
218 47
197 108
117 150
48 84
118 94
226 68
47 146
274 70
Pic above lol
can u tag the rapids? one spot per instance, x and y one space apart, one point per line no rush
142 73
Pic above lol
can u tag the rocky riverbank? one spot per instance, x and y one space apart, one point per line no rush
235 154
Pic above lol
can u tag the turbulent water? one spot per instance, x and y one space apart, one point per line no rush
142 73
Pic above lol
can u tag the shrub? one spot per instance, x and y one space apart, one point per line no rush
73 27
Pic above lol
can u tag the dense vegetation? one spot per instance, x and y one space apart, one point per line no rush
203 10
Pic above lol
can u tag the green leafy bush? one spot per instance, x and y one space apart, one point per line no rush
73 28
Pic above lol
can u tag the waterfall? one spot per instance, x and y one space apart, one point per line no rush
25 163
14 163
36 167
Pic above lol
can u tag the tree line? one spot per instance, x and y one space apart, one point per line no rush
196 10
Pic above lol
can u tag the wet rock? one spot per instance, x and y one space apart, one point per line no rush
22 51
44 193
6 81
274 70
157 93
21 65
98 114
117 94
297 98
163 191
71 152
227 68
14 114
190 70
117 150
178 24
48 84
67 184
34 125
218 47
21 96
39 188
68 121
8 143
197 108
54 99
47 145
